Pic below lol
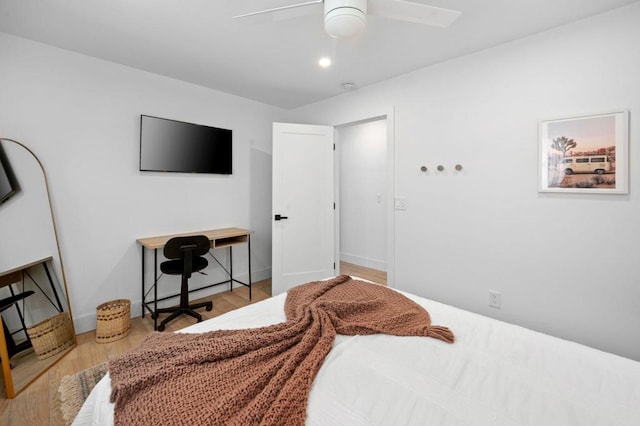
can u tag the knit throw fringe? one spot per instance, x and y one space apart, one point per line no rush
259 376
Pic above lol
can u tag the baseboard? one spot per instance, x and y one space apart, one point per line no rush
87 322
364 261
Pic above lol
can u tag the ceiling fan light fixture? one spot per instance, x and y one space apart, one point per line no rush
345 18
348 18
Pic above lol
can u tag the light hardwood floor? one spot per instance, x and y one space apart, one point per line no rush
38 405
374 275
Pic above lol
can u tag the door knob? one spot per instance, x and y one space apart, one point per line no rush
278 217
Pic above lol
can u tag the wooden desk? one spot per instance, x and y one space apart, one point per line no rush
220 238
18 274
13 276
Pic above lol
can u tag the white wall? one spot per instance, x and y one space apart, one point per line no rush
487 227
362 155
81 116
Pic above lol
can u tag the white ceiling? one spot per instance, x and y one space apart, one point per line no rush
275 62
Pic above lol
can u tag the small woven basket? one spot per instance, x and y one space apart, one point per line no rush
113 320
51 336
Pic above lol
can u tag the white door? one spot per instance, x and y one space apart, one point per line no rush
303 205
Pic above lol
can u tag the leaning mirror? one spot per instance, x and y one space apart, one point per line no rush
37 326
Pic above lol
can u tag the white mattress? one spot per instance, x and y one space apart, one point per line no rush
494 374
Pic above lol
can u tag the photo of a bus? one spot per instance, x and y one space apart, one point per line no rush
599 164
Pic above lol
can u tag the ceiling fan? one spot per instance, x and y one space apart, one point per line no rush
347 18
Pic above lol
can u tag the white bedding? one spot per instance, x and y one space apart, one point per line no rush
494 374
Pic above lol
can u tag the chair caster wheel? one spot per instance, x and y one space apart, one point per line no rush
161 327
209 307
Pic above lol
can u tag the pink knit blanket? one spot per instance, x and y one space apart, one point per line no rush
261 375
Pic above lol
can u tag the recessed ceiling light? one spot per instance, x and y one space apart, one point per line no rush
324 62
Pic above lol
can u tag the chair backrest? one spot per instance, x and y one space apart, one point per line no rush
177 247
12 347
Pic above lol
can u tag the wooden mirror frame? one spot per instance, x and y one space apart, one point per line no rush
11 390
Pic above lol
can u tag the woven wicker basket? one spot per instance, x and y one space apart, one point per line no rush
51 336
113 320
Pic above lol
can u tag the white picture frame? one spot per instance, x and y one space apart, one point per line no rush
585 154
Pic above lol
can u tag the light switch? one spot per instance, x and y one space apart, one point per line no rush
401 203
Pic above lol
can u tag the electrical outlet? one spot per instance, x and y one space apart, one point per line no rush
495 299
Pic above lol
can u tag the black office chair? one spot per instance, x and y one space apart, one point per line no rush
186 257
12 347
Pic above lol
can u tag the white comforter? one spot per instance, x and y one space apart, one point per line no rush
494 374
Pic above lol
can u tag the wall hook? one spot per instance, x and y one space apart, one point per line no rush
458 167
440 167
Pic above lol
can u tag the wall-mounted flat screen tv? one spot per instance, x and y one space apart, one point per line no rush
8 184
175 146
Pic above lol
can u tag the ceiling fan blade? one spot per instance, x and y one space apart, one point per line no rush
284 12
403 10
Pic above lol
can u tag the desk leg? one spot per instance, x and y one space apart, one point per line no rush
155 289
144 307
53 287
231 268
249 260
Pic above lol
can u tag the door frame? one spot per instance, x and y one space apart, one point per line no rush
361 118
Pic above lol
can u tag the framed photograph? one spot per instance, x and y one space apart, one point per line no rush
585 154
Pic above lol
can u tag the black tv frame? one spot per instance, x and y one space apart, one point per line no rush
173 159
8 182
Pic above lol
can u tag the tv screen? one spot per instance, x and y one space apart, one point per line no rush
8 184
174 146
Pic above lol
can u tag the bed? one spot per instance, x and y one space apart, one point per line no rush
494 374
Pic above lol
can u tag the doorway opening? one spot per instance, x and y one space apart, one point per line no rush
363 196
